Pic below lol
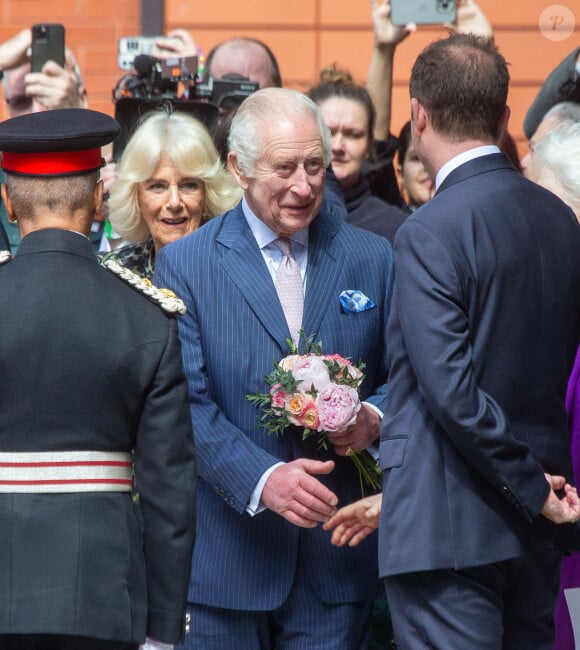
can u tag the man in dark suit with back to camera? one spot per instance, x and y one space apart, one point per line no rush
263 572
476 508
484 330
94 393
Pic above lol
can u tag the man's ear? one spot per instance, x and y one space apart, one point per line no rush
234 168
503 122
98 198
8 204
419 118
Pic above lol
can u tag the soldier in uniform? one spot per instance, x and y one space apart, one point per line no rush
94 402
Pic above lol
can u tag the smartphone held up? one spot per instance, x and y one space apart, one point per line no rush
423 12
47 45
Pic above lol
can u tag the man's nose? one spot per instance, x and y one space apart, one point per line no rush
301 184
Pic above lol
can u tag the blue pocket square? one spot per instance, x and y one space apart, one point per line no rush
353 301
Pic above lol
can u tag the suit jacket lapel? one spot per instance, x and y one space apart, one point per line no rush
324 270
242 260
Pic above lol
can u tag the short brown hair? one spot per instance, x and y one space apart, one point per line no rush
462 81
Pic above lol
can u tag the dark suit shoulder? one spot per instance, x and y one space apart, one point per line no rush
481 190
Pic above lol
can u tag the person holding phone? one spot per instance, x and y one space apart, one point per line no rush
30 92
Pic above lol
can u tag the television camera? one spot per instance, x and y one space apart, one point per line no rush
153 82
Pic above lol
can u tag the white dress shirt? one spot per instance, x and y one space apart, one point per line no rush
464 157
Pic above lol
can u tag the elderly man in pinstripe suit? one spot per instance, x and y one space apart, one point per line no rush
264 574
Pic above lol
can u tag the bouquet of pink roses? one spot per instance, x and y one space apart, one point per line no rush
318 392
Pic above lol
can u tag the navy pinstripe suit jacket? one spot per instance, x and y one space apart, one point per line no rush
233 330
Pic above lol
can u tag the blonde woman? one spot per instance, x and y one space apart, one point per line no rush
170 181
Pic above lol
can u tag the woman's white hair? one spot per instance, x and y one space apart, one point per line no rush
187 142
558 156
264 108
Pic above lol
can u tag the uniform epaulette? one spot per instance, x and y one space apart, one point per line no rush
5 256
165 298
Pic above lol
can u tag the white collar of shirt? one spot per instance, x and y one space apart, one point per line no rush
265 236
462 158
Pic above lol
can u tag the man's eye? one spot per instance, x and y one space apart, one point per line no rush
284 169
313 166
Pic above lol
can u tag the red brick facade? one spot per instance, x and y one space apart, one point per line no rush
304 34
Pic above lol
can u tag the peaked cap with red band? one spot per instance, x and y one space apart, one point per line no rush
59 142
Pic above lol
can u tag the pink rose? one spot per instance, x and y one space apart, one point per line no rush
353 371
311 371
278 397
338 358
309 417
338 406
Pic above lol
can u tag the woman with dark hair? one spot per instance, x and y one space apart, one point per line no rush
349 114
415 183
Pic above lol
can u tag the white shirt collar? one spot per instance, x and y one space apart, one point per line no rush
264 235
462 158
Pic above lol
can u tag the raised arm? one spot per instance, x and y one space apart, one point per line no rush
380 77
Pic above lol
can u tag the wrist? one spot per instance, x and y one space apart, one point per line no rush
387 48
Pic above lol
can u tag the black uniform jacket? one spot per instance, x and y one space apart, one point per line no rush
89 363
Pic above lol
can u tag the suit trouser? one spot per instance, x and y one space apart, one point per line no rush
302 622
507 605
59 642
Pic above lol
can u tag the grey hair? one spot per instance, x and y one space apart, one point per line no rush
558 154
266 107
31 195
564 112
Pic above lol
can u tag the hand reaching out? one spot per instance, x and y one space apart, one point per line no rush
564 510
352 523
294 493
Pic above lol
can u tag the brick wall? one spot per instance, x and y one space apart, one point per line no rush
92 30
305 35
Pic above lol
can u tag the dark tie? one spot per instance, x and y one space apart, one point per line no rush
289 288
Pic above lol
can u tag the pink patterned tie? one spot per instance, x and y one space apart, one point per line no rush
289 288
